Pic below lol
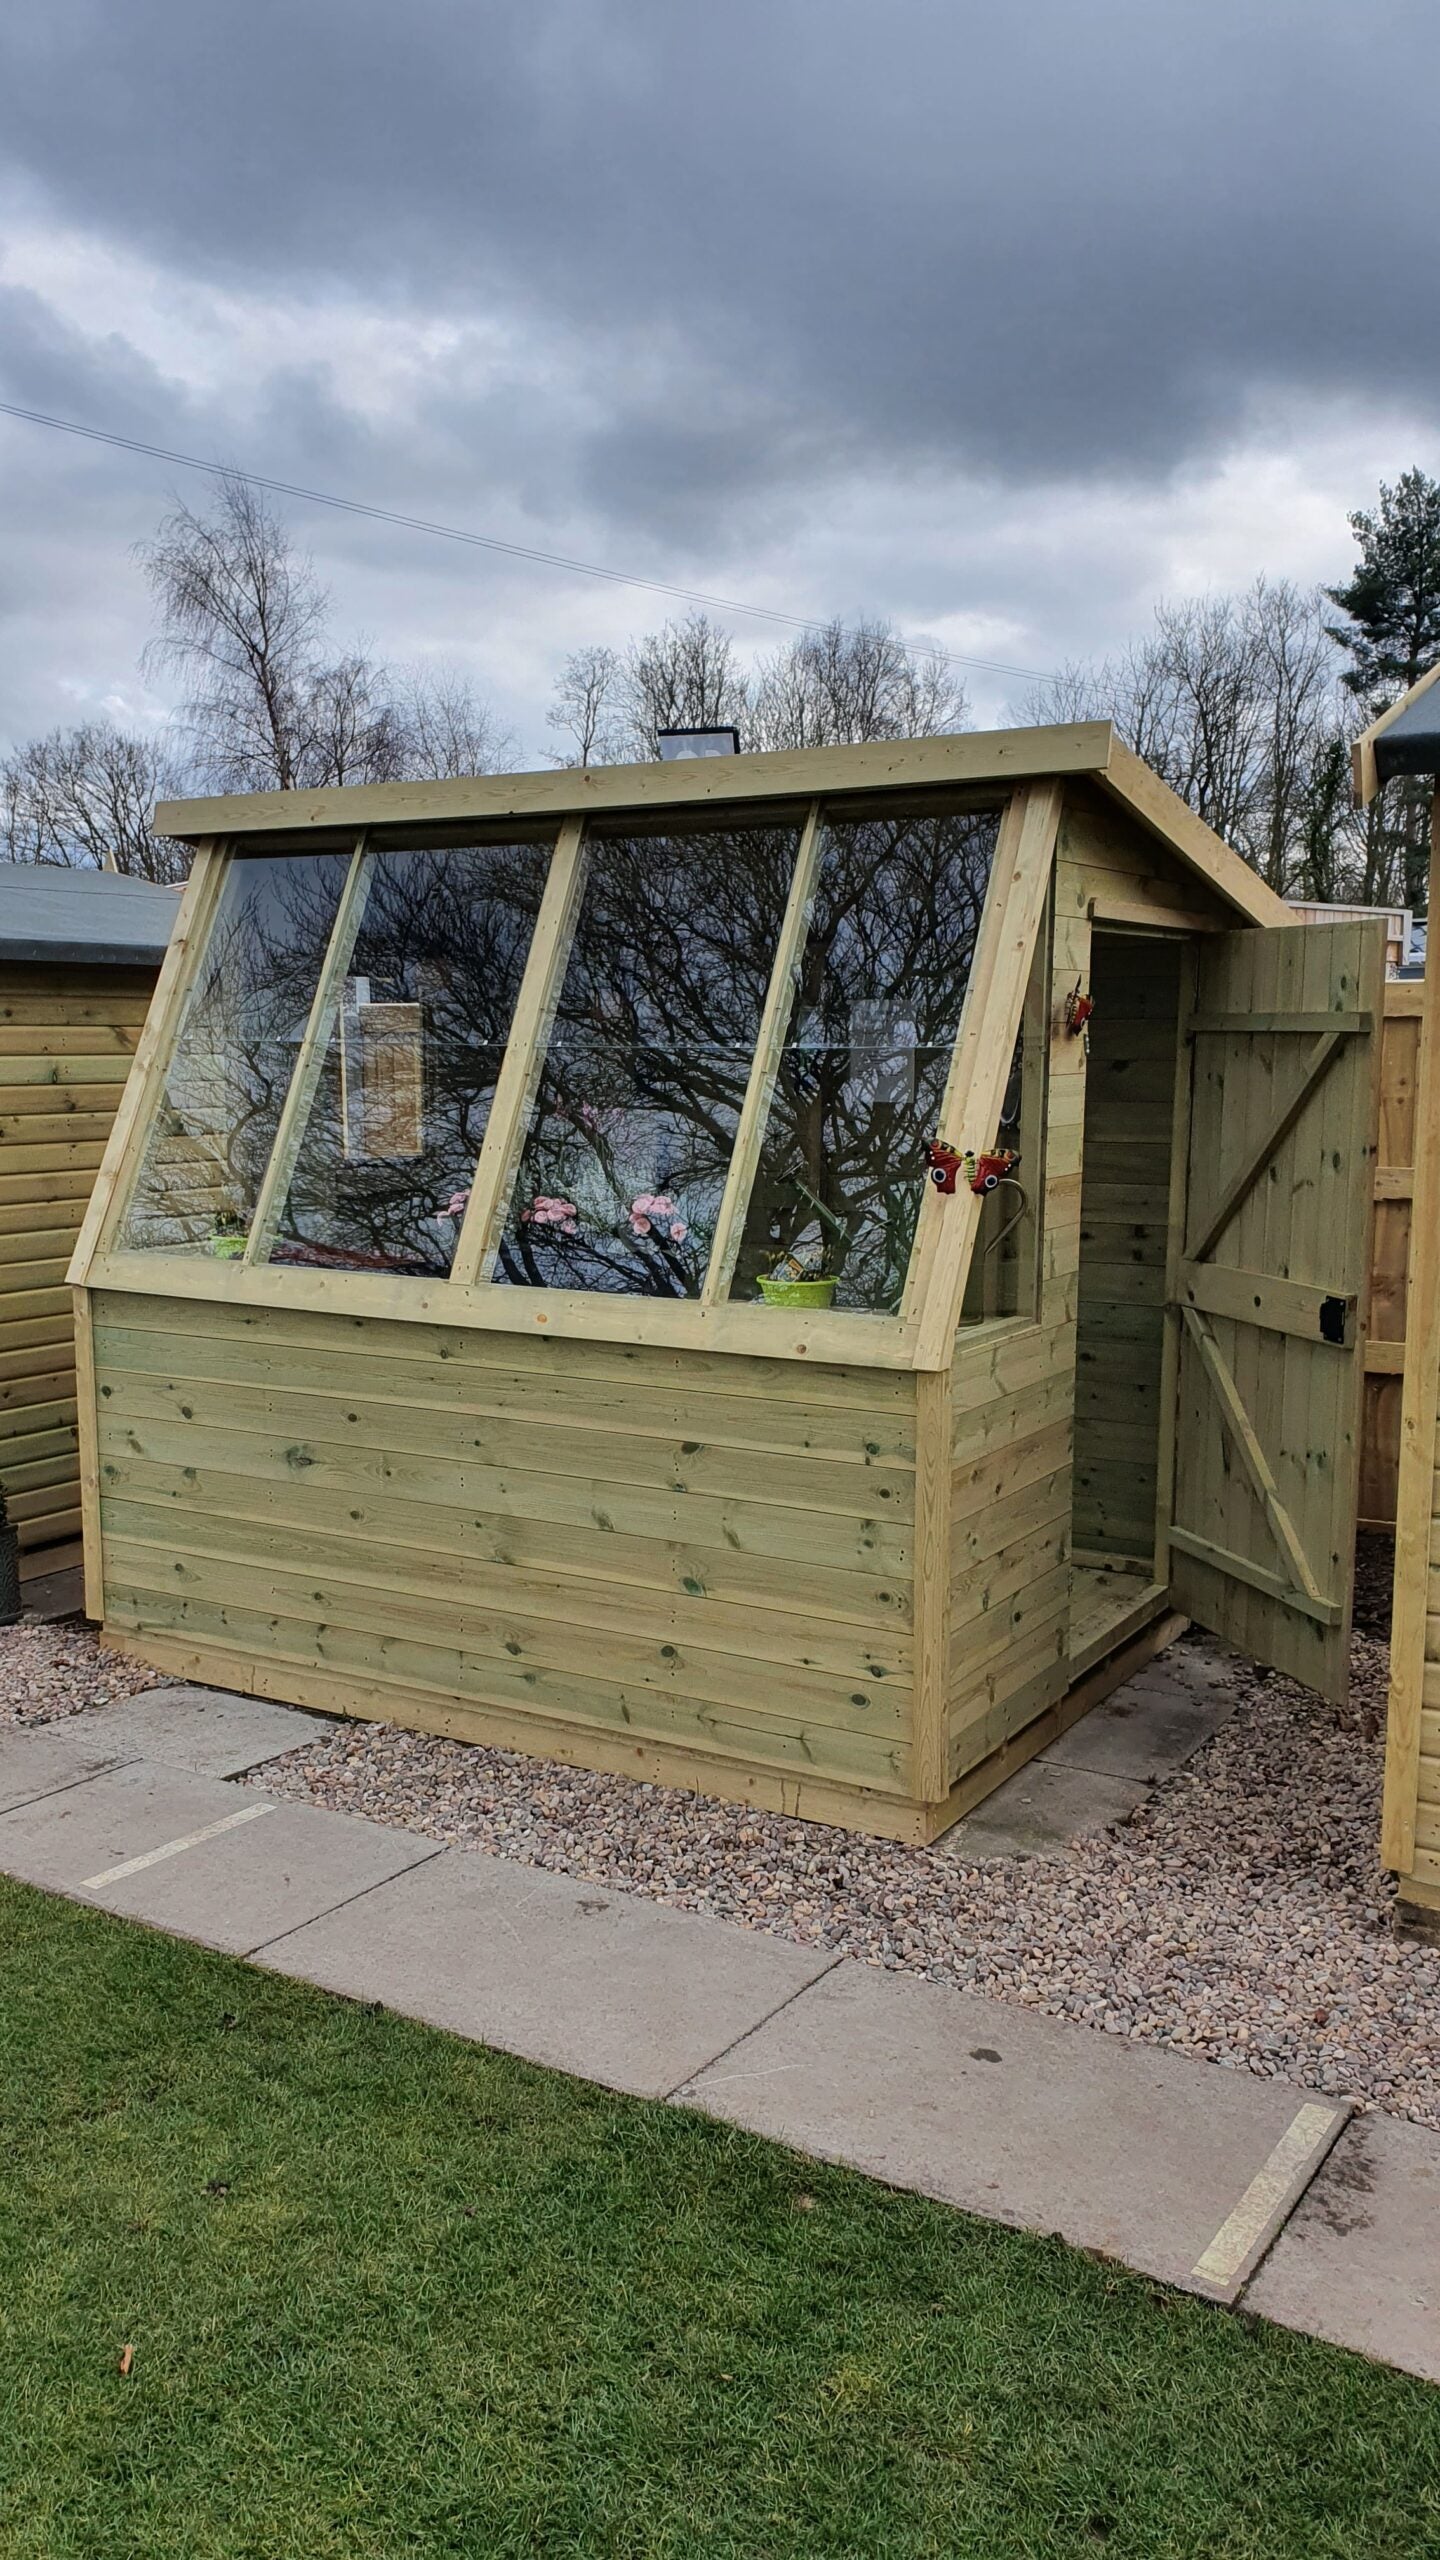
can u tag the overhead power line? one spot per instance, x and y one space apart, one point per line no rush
489 541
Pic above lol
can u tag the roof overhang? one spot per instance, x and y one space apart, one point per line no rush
44 952
971 759
1405 739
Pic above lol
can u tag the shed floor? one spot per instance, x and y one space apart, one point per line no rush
1108 1603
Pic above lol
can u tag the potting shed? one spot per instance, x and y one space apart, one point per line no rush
79 955
781 1275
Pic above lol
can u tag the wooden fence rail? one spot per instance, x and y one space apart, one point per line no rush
1394 1183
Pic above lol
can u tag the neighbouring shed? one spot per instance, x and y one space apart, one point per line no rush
79 954
1406 741
1398 922
536 1289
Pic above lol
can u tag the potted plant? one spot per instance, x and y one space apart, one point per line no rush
229 1236
792 1283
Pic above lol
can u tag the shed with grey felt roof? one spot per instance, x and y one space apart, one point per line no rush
50 913
79 955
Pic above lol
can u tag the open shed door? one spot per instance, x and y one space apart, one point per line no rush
1267 1290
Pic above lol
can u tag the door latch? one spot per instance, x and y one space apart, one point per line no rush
1333 1315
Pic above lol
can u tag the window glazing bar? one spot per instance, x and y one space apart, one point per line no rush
310 1057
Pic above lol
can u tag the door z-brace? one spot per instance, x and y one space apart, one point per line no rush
1300 1590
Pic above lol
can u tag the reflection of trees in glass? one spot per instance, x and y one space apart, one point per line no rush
228 1079
635 1116
886 964
437 966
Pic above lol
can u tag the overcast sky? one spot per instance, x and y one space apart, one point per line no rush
997 321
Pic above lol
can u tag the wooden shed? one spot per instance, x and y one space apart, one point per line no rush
521 1304
79 953
1406 741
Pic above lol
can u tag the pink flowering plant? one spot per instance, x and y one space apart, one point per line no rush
650 1210
653 1221
604 1234
547 1212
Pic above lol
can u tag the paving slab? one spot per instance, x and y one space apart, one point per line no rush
36 1760
1041 1810
1147 1729
584 1979
1359 2262
1182 2170
216 1732
221 1864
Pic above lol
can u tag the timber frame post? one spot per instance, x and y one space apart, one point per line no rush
172 993
989 1026
1415 1545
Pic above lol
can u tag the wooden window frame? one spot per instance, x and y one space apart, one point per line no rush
922 1336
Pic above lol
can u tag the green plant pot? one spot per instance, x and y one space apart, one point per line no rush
797 1293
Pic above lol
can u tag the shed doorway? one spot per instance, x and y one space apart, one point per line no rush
1125 1206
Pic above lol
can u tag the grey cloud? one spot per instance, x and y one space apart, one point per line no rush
1031 242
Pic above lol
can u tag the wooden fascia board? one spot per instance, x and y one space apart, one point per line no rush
972 757
1362 754
1129 780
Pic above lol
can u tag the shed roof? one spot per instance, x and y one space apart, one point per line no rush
974 757
95 919
1405 739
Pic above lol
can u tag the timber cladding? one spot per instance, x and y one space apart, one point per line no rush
1129 1117
600 1552
67 1035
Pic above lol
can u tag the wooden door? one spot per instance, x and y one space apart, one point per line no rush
1267 1290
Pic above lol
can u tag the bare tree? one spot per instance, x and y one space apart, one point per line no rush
684 677
831 687
1235 701
1299 729
85 797
445 730
244 621
586 708
838 687
241 621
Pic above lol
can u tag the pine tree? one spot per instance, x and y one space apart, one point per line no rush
1391 634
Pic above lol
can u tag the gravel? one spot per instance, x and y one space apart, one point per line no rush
56 1668
1237 1915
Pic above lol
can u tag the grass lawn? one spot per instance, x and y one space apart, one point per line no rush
390 2293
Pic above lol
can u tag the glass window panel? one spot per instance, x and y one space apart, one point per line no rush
867 1053
1000 1281
635 1113
210 1140
408 1074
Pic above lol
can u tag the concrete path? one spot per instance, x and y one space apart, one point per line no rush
1028 2121
1198 2176
1107 1763
1359 2263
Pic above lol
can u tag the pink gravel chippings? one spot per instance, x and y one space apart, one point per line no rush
56 1668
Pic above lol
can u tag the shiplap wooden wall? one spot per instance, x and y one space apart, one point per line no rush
694 1568
1129 1116
66 1040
